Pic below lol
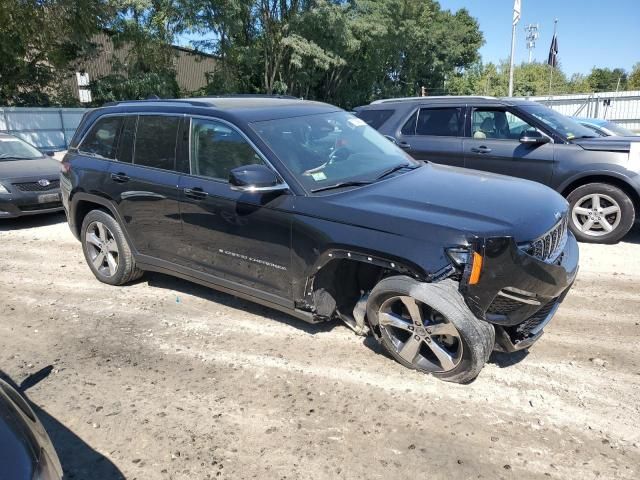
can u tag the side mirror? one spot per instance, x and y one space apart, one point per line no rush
533 137
254 179
50 153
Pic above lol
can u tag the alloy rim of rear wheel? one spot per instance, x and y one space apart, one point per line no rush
102 248
420 335
596 214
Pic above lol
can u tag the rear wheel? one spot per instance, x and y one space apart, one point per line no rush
600 213
106 249
428 327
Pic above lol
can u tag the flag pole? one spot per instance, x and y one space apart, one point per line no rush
551 67
517 7
513 49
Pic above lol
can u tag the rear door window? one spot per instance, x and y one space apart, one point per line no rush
156 140
375 118
102 139
440 122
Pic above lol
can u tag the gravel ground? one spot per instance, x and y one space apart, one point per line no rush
164 379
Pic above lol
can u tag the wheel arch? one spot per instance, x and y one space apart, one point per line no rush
82 203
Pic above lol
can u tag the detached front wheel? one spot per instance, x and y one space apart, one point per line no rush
428 327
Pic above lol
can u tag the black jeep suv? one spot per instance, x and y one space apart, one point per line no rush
302 207
600 177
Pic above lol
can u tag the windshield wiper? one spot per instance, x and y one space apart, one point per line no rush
395 169
355 183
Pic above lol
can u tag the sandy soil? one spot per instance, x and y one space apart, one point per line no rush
164 379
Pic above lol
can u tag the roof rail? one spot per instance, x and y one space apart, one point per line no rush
433 97
195 101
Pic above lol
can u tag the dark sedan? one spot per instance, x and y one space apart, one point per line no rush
29 179
600 177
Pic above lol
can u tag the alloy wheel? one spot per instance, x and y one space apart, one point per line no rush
596 214
102 248
420 335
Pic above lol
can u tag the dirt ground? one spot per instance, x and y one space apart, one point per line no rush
165 379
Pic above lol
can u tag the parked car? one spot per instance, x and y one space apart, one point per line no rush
302 207
604 128
598 176
29 179
26 452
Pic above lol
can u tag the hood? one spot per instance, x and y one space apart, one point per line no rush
45 167
435 198
607 144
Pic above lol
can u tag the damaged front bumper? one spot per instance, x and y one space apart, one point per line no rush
518 293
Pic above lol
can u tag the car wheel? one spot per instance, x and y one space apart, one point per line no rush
600 213
106 249
428 327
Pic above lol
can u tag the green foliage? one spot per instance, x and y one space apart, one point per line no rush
633 82
39 42
607 80
135 86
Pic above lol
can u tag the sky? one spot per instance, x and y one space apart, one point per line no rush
602 33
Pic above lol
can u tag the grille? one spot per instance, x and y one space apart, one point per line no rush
36 187
524 329
550 245
40 206
503 305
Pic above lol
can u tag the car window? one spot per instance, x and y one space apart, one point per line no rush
155 141
127 137
375 118
594 129
102 139
13 148
437 122
498 124
217 148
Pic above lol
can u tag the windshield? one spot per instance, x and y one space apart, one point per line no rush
618 130
330 149
565 126
12 148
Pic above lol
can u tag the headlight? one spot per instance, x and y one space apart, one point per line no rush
3 190
469 261
459 256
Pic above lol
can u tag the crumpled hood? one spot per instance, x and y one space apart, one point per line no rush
45 167
463 202
607 144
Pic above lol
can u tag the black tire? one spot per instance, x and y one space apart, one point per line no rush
611 196
476 337
126 270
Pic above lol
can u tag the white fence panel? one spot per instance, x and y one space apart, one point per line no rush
619 107
46 128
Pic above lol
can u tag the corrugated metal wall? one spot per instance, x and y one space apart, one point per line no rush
46 128
619 107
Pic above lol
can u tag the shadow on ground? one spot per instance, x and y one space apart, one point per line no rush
32 221
79 461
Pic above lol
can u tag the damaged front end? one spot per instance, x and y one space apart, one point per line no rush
517 287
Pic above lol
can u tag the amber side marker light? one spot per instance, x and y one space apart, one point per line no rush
476 268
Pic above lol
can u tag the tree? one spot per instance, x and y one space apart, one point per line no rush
39 42
606 80
633 81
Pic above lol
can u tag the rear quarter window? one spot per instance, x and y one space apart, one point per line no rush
102 139
375 118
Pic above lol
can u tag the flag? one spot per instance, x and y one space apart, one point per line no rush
553 52
517 7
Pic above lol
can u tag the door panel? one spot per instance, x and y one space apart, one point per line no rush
435 134
241 237
147 197
495 147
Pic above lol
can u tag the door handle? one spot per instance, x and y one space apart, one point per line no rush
481 149
120 177
404 145
196 193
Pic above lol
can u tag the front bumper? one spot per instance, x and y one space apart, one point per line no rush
18 204
518 293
